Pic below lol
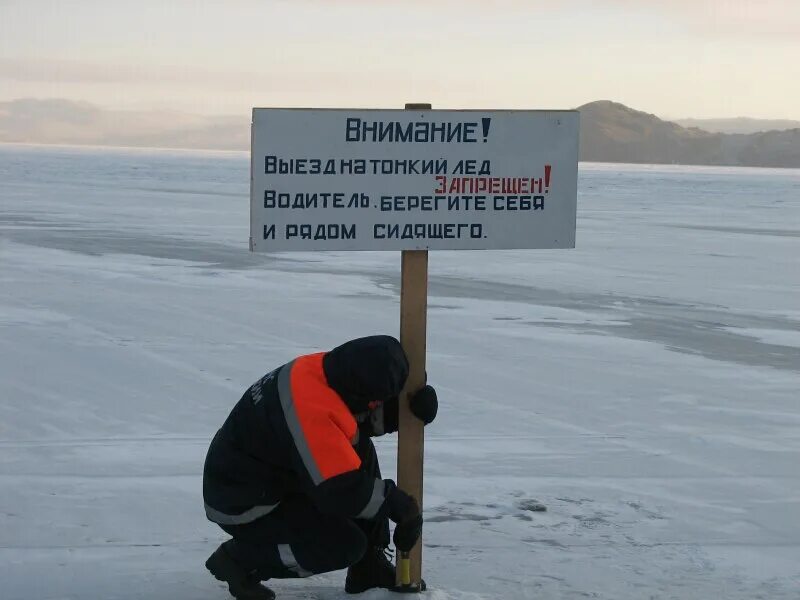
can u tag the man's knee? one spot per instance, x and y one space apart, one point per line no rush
339 551
301 559
297 539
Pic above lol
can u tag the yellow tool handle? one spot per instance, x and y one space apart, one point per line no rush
405 569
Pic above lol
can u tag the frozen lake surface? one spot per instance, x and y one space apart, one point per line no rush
643 386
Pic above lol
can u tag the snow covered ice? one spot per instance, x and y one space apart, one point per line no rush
644 386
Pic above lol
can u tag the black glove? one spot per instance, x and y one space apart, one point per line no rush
407 533
400 507
403 510
424 404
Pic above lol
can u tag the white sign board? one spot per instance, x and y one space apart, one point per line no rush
325 179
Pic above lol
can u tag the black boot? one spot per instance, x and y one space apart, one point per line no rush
374 570
241 584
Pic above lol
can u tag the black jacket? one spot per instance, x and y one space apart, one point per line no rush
261 454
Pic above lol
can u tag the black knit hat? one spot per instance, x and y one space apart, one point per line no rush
366 369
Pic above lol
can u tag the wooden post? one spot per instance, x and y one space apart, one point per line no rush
410 445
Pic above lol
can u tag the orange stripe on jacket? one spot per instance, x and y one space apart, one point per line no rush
328 426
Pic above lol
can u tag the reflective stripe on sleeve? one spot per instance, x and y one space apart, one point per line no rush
375 501
247 516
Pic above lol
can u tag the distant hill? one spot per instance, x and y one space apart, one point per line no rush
740 124
610 132
57 121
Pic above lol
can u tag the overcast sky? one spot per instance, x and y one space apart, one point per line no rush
675 58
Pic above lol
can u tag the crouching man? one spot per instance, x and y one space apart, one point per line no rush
293 476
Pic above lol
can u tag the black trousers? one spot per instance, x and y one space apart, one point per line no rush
296 540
